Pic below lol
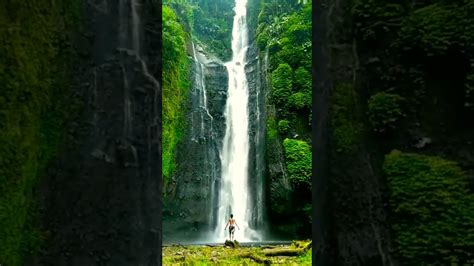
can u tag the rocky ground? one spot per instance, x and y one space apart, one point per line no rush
297 253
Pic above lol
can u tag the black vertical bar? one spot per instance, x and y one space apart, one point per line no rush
321 88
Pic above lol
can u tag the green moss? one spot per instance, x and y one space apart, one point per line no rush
298 159
439 27
210 23
282 83
301 100
283 126
35 60
272 131
176 85
284 31
433 210
303 80
384 111
219 255
346 128
306 259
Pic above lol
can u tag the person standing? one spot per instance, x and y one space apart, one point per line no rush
231 223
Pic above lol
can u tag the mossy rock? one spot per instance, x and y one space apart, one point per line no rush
232 244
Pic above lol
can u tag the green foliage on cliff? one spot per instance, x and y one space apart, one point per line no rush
384 111
209 22
175 87
303 80
35 59
213 21
285 28
421 52
271 128
345 124
409 36
301 100
298 161
282 82
283 126
437 28
284 31
433 210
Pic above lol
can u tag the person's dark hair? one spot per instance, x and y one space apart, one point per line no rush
231 216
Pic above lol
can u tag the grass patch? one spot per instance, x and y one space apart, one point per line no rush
345 125
220 255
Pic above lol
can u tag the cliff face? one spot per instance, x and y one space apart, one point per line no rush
350 191
102 195
367 63
189 203
190 200
257 119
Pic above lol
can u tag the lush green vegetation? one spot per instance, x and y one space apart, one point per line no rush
213 26
384 111
209 21
220 255
433 210
345 123
176 67
34 59
298 161
271 126
283 126
410 38
282 82
283 29
412 65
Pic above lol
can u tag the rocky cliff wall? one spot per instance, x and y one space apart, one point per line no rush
101 196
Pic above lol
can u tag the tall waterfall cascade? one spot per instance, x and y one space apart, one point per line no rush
234 193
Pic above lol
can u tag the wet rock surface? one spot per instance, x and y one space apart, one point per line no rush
189 202
101 197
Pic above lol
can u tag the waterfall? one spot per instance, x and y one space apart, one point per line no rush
200 88
206 124
234 191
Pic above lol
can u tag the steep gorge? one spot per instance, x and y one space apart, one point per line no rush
192 191
191 197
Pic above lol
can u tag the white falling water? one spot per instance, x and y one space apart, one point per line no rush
200 86
233 195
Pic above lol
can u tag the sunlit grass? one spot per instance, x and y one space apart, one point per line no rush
220 255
